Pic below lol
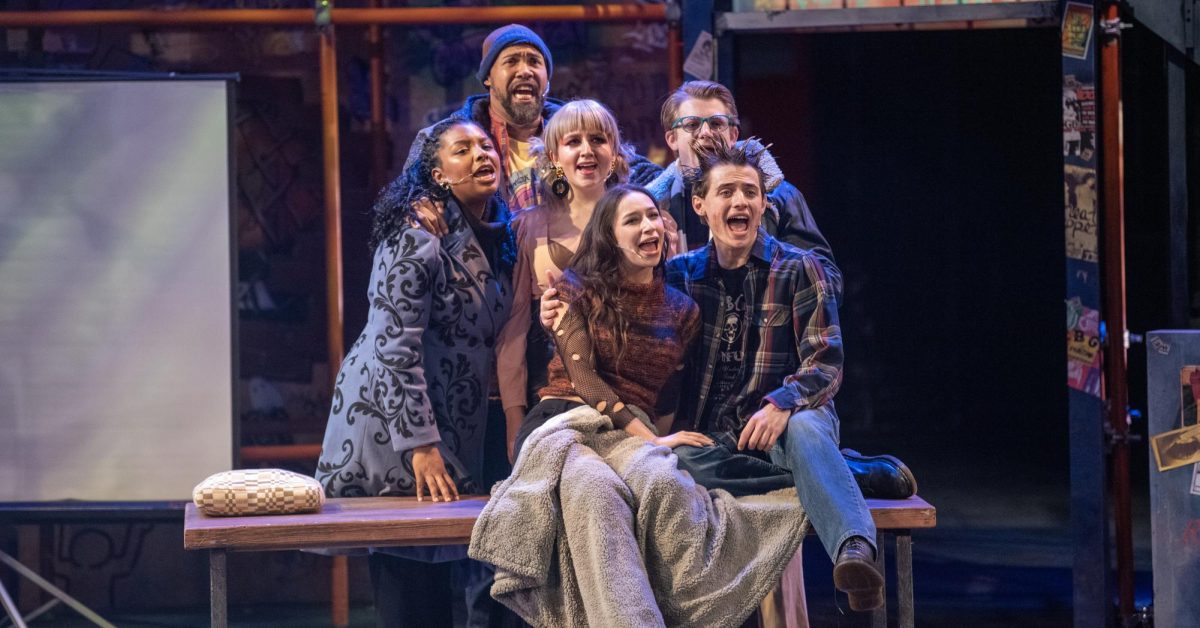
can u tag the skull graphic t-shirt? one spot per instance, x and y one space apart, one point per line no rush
727 376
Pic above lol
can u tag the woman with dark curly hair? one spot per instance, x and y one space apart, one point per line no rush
409 409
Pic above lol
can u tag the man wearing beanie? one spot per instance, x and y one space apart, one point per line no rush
516 68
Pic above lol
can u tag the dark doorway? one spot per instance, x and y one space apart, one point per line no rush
933 164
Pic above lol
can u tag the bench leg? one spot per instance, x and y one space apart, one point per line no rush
217 589
904 576
879 615
339 583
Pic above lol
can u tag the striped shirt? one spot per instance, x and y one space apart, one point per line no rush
792 347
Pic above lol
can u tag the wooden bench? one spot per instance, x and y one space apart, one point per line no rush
402 521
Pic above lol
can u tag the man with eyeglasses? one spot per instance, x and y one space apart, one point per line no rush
696 114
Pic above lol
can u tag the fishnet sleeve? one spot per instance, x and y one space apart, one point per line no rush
575 349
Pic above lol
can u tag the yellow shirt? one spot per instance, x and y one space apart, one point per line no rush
518 156
522 183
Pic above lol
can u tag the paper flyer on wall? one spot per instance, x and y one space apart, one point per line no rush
699 62
1079 190
1076 30
1079 119
1083 347
1189 395
1176 448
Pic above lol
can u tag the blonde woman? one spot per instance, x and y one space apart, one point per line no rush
580 157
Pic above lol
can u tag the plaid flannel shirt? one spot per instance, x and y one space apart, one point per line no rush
792 344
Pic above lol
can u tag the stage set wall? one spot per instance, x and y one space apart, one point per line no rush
958 307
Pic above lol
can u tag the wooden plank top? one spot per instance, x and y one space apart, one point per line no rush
892 514
342 522
392 521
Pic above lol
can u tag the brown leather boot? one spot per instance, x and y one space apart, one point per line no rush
855 574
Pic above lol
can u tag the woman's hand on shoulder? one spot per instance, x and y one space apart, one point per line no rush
431 215
429 470
693 439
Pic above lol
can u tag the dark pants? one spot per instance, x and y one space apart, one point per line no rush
746 472
411 592
538 415
416 594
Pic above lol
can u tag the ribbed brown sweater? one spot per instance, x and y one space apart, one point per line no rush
662 323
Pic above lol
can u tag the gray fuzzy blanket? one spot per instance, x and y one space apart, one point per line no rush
596 528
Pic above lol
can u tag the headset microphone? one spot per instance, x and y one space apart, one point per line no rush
460 181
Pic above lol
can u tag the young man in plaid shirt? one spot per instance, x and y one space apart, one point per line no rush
769 361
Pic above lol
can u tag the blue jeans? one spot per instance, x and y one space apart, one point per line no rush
805 456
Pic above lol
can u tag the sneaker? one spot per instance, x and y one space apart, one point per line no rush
856 574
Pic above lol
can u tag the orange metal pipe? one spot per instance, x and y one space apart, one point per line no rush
279 453
333 200
674 56
361 17
1116 359
378 131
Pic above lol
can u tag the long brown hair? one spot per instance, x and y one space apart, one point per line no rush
596 267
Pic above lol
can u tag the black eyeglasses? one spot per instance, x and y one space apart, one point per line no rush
716 123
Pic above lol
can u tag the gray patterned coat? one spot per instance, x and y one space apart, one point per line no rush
421 370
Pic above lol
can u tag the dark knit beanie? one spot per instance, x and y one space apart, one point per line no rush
506 36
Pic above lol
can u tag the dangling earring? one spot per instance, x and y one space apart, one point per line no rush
445 185
559 186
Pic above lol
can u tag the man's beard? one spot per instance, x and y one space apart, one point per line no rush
523 114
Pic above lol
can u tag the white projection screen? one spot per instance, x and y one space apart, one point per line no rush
116 318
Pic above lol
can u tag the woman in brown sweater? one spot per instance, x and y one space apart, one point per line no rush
624 331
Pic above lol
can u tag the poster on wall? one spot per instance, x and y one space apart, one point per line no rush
1083 348
1077 30
1079 190
1081 210
1189 395
1176 448
1079 119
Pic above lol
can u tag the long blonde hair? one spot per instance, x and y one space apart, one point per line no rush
584 115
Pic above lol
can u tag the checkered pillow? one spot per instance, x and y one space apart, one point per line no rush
258 492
